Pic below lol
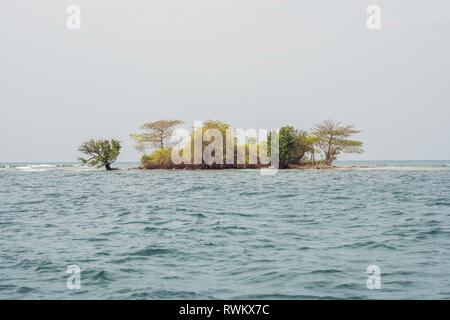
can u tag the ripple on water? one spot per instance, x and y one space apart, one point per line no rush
225 235
151 251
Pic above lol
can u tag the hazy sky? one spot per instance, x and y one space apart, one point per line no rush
252 63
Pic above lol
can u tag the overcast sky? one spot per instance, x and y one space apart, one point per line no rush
252 63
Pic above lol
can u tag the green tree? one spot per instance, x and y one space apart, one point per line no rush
302 145
102 152
293 145
332 139
287 145
221 126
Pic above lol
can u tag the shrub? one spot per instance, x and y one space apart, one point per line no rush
159 159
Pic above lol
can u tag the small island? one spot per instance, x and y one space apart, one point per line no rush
215 145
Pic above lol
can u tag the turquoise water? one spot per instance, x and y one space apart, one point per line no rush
225 234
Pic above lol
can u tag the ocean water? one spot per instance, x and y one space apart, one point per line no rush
225 234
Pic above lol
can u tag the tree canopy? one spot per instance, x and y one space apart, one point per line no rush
102 152
332 138
295 147
158 133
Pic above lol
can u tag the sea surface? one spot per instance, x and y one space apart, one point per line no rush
232 234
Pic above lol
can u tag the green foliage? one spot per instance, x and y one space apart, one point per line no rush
102 152
161 158
328 139
293 145
287 142
332 138
222 127
212 124
310 162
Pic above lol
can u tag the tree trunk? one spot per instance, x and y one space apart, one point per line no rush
328 154
108 167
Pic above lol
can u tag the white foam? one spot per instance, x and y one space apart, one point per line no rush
44 166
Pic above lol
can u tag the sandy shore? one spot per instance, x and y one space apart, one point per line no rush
324 166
